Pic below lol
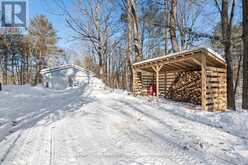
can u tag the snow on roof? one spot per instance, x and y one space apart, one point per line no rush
183 52
48 70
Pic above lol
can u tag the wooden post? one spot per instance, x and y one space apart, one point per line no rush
204 82
157 82
157 68
165 82
134 81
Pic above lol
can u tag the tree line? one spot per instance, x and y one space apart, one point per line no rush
22 56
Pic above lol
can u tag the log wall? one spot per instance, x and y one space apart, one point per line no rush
216 89
137 83
144 80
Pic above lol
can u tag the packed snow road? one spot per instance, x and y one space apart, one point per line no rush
97 126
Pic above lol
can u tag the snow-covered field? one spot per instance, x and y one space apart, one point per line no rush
98 126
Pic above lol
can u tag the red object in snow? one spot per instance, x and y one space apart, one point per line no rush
151 91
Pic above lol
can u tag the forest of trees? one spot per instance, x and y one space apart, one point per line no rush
119 33
24 55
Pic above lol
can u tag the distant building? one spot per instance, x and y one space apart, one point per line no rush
65 76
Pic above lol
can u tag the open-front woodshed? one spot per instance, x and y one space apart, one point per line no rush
197 76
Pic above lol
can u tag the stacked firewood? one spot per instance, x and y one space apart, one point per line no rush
186 87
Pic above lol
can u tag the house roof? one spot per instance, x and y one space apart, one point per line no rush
62 67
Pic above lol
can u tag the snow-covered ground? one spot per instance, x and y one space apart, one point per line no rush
99 126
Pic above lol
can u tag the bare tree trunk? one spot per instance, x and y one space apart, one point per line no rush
100 65
109 71
166 21
27 69
128 67
136 32
5 71
226 24
245 58
230 85
38 69
173 25
13 72
95 19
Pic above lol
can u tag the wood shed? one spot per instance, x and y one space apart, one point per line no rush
197 76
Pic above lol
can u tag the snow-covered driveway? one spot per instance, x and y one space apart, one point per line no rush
101 127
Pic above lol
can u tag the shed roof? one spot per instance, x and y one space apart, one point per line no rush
184 59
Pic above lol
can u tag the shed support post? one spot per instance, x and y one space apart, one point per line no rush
165 82
157 68
157 83
134 81
204 83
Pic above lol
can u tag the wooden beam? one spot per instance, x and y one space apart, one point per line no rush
174 67
188 64
181 66
172 61
196 61
204 82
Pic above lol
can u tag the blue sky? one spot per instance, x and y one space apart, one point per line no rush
48 8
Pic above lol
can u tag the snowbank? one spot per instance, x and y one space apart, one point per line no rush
232 122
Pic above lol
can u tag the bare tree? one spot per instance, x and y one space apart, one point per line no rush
94 28
188 13
245 58
43 38
4 46
173 25
226 26
136 31
128 65
133 40
166 21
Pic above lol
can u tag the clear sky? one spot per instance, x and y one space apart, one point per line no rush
48 8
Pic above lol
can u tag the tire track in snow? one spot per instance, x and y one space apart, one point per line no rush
33 147
43 156
137 153
24 156
51 153
10 148
171 143
63 155
228 160
19 150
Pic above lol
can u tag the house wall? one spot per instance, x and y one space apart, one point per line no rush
61 79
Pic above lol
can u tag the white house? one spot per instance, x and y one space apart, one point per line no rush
65 76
